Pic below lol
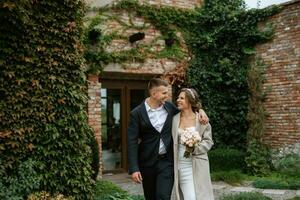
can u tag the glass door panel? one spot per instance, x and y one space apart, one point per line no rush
111 128
118 98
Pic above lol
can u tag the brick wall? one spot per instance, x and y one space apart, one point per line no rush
186 4
94 112
282 56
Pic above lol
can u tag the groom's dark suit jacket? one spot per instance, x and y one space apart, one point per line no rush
145 154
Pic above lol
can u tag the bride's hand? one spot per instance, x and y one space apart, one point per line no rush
203 119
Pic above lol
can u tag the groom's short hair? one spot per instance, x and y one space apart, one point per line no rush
156 82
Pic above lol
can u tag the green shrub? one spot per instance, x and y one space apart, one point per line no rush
289 165
258 153
295 198
246 196
43 94
20 183
106 190
293 184
137 197
269 184
258 158
47 196
226 159
95 156
231 177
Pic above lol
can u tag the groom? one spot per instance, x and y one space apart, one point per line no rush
150 145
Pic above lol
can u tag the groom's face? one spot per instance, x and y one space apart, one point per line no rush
160 93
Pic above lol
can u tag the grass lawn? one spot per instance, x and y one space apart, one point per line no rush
273 181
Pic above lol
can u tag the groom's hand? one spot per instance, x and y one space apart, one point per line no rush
137 177
203 119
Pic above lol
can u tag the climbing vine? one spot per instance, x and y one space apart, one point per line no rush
258 157
222 42
98 37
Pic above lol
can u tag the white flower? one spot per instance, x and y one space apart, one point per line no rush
189 138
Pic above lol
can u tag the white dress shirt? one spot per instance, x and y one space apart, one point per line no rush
157 118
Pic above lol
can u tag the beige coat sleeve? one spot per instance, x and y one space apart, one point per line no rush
206 140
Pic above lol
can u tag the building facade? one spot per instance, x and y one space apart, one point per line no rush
121 87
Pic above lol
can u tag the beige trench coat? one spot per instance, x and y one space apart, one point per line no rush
200 162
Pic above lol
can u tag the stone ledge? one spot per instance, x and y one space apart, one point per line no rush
279 194
242 189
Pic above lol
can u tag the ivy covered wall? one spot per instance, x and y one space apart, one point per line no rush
44 135
220 37
117 40
223 42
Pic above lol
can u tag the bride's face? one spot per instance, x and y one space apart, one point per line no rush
182 101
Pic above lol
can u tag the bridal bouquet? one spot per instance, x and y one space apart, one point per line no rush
189 138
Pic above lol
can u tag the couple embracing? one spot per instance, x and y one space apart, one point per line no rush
168 145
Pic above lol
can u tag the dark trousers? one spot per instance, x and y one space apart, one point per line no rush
158 180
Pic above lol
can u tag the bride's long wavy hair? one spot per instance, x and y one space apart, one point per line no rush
193 98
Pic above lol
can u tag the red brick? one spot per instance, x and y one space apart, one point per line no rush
282 76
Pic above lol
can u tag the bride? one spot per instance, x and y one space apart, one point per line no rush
192 176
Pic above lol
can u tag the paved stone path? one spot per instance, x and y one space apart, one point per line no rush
220 188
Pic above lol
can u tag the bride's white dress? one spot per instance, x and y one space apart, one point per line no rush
185 171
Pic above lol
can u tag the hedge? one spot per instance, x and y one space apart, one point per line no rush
43 95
